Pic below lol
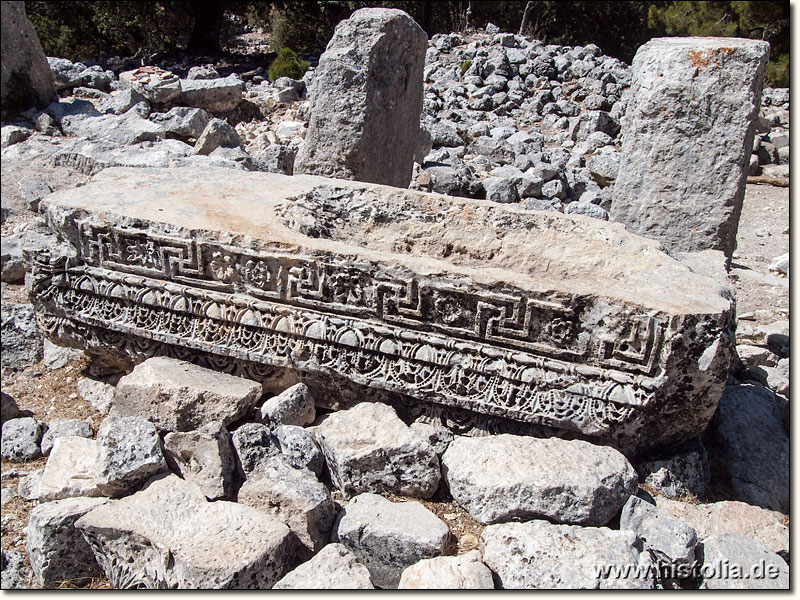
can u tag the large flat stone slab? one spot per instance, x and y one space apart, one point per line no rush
541 318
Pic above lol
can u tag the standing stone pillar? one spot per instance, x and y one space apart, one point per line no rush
687 137
366 100
26 78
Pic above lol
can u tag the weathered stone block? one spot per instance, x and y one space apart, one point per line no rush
687 139
176 395
169 536
205 457
70 470
540 318
333 568
366 100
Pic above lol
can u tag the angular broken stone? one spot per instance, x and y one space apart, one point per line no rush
687 136
299 448
389 536
369 449
538 554
292 496
763 526
669 540
169 536
61 428
366 100
507 477
128 453
56 549
205 457
97 393
333 568
580 326
293 406
20 440
465 572
71 470
683 474
176 395
734 562
254 447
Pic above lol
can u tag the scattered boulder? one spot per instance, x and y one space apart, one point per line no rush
57 357
183 122
389 536
750 445
21 338
333 568
31 191
507 477
293 406
62 428
587 209
156 85
669 541
299 448
465 572
12 269
13 134
216 134
71 470
129 453
26 77
377 142
292 496
763 526
214 95
97 393
204 457
123 100
734 562
28 486
179 396
538 554
15 573
8 409
254 446
20 439
56 550
210 545
369 449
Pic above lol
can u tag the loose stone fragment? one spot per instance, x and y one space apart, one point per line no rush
389 536
8 409
21 338
686 473
596 331
71 470
692 105
205 457
214 95
61 428
129 453
57 357
747 439
293 406
758 524
21 438
217 134
366 100
292 496
333 568
734 562
465 572
538 554
254 447
15 573
56 549
28 486
97 393
299 448
669 541
369 449
169 536
506 477
179 396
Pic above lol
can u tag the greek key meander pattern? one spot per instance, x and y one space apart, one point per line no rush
541 326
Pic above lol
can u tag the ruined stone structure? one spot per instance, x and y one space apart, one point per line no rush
366 100
687 138
541 318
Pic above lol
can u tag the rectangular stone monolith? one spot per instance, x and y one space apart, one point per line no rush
687 139
464 305
366 100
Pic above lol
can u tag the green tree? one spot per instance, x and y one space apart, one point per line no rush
763 20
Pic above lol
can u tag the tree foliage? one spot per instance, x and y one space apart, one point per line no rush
80 30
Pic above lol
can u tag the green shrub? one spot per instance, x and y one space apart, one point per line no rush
465 66
287 64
